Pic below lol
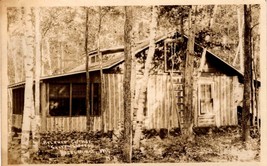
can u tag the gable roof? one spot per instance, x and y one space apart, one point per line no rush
119 58
145 44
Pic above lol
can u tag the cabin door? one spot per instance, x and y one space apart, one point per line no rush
206 114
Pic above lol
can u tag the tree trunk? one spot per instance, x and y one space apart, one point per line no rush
88 116
212 16
247 74
140 99
240 34
102 94
36 121
128 83
187 129
254 71
239 48
28 101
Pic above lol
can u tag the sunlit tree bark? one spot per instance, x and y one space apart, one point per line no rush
36 121
28 111
141 94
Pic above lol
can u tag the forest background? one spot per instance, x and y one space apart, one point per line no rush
62 30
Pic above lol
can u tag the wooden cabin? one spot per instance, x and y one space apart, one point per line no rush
217 93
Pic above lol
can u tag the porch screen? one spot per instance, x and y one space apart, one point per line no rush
18 100
59 99
78 99
95 99
70 99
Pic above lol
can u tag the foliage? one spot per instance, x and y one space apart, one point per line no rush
210 145
62 28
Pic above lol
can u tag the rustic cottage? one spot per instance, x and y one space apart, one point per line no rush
217 90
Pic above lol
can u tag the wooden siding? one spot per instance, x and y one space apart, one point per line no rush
17 121
160 113
66 124
224 101
113 104
159 110
113 110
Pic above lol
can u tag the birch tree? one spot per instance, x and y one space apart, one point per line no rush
140 104
128 83
213 16
28 40
36 121
247 74
240 43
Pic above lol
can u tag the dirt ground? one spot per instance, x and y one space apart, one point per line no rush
157 146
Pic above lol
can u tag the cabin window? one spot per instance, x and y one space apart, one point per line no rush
206 99
70 99
94 59
18 100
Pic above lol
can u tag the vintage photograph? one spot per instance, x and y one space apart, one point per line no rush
133 84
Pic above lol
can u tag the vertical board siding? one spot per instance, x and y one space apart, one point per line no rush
113 112
160 111
231 102
121 100
106 103
17 121
66 124
224 101
116 102
217 102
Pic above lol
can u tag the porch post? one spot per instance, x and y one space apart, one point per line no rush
44 106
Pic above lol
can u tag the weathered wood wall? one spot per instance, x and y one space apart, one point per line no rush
113 110
66 124
16 121
113 104
159 110
225 101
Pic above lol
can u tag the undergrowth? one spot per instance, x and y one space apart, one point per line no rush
157 146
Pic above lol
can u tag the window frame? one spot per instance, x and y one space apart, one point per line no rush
200 98
71 97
